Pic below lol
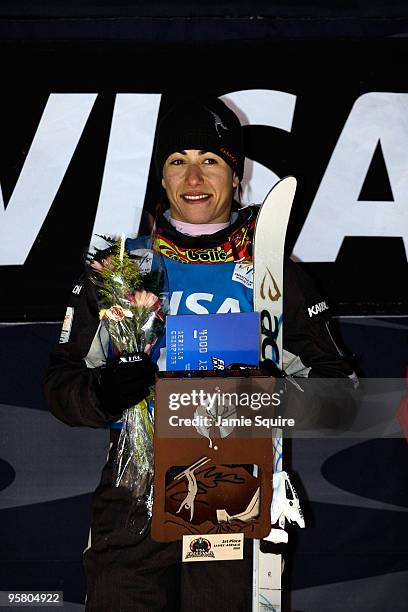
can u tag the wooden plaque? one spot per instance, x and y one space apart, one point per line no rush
206 443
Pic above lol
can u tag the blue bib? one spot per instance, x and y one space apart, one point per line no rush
209 288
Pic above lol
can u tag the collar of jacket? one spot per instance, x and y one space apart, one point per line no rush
245 216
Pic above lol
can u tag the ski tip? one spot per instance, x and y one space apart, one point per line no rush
290 180
286 185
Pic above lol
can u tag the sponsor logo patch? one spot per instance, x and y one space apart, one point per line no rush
77 289
215 255
244 274
130 358
218 363
144 259
206 255
317 309
66 325
269 288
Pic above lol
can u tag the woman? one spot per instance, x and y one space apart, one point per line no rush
203 236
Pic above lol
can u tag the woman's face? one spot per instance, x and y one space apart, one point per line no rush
199 186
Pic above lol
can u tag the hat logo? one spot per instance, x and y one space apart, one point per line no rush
218 123
228 154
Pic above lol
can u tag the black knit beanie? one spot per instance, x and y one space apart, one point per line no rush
205 125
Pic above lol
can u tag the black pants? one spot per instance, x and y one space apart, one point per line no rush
129 572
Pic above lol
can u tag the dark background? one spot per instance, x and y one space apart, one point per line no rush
326 92
326 55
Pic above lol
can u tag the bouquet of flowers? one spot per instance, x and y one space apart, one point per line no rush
133 301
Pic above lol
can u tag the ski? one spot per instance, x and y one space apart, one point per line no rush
268 256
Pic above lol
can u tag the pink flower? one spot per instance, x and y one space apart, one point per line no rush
144 299
115 313
100 265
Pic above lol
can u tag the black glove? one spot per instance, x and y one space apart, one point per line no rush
124 383
266 367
